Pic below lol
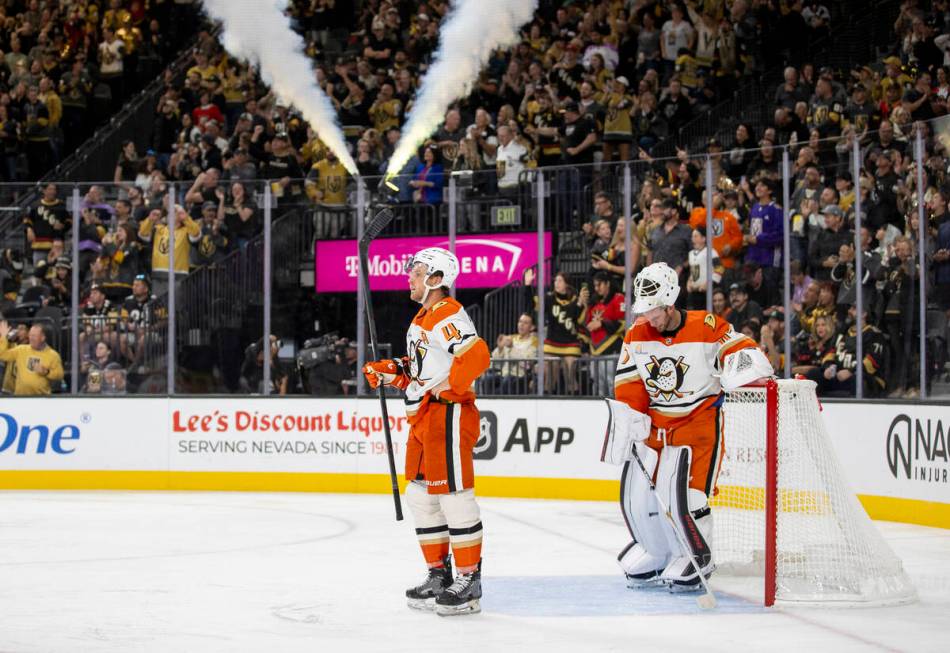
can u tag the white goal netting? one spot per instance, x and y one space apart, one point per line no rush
827 549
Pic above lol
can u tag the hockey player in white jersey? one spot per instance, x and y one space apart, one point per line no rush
444 358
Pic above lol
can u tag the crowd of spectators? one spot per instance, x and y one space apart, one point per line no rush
66 66
590 82
818 115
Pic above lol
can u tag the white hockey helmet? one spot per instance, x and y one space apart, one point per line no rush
656 285
436 260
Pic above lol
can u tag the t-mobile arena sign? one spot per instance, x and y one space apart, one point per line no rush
487 261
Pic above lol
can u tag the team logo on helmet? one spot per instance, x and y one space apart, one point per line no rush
665 378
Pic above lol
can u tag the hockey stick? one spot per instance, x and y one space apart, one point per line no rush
707 601
372 229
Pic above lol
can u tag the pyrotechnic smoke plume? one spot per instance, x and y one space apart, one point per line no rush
258 30
469 34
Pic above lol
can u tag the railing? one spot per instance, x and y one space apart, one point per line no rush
220 307
565 376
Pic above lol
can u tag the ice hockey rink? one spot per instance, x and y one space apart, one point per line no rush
174 571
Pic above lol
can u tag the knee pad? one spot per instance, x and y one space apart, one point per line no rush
460 508
425 507
639 506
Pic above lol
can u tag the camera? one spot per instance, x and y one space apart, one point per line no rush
320 350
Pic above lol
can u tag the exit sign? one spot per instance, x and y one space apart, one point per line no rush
506 216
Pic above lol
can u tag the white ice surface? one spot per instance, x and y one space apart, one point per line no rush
196 572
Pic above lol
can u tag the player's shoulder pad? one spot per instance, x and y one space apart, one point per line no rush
441 310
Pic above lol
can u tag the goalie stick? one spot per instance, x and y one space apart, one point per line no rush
707 601
371 230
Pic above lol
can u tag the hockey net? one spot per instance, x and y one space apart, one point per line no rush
785 512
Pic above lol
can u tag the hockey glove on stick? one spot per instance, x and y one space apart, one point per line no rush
394 372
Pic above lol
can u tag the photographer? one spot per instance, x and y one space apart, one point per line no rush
327 363
252 371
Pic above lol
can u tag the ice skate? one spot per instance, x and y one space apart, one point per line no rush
462 596
422 596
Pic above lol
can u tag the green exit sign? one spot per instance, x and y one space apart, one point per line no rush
505 216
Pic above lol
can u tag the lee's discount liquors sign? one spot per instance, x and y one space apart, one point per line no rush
487 261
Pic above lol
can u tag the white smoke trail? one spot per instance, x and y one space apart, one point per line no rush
258 30
469 34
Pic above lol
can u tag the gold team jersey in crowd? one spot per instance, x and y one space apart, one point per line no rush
24 360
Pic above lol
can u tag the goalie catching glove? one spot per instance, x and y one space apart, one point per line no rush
625 428
744 367
394 372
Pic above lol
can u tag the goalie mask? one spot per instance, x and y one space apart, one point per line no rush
437 261
657 285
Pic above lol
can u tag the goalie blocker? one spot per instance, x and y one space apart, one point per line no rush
673 368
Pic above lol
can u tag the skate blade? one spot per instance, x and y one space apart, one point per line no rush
423 605
644 583
688 588
472 607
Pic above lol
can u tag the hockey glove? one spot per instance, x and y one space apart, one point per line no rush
394 372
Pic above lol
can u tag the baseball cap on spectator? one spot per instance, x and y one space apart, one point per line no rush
622 80
208 205
739 286
713 142
776 315
892 61
246 116
95 285
280 104
569 106
833 209
64 263
144 279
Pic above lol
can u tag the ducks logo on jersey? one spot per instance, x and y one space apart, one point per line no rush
666 378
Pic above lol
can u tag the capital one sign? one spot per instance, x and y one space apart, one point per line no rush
486 260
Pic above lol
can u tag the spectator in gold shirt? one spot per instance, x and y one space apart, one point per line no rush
36 365
154 230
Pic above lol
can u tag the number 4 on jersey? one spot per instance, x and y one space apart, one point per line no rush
451 332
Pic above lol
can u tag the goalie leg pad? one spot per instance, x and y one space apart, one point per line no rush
649 552
465 526
432 528
691 511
